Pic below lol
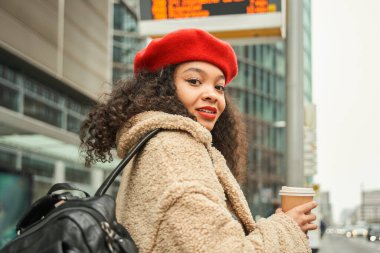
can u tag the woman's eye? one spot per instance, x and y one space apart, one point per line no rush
193 81
220 87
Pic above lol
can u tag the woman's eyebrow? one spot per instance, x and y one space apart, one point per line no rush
195 69
200 71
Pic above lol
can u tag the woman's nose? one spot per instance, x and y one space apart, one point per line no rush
210 94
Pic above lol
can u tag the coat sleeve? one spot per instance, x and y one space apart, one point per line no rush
196 221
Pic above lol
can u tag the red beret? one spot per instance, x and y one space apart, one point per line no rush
187 45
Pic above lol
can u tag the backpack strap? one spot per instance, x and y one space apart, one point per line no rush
111 178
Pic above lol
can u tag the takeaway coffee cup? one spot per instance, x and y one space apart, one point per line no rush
295 196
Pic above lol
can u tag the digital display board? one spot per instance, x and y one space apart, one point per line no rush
172 9
233 20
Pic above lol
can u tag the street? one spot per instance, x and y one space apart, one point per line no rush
336 243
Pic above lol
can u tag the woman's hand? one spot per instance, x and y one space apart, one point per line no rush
302 215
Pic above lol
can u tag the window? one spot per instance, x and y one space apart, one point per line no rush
8 98
42 111
73 124
8 159
77 175
39 101
38 166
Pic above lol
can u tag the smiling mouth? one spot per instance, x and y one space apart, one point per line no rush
207 111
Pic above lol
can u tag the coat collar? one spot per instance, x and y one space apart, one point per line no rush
142 123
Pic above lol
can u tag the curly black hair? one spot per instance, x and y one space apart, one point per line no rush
155 91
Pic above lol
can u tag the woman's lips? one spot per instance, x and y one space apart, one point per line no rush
207 112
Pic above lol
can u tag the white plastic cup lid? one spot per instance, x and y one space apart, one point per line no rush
297 191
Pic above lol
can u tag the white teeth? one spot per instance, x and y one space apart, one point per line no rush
206 111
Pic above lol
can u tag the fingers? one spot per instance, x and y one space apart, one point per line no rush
303 217
307 218
310 217
306 224
306 208
309 226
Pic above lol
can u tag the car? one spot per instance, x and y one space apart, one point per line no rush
356 231
373 233
341 231
331 231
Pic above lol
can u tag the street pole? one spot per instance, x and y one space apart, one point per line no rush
294 94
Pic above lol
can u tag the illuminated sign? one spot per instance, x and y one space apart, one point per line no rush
169 9
228 19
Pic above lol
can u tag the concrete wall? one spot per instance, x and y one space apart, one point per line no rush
70 39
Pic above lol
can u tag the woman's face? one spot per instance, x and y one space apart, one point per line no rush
200 87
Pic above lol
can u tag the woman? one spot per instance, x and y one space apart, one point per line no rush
180 194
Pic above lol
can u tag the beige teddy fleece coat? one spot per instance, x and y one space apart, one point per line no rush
173 196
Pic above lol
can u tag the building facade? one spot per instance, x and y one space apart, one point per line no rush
259 92
370 206
55 60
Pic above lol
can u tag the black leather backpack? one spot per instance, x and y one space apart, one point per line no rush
68 220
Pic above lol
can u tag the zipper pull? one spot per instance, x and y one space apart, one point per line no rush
110 233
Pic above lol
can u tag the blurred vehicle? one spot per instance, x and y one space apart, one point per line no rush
357 231
331 231
374 233
341 230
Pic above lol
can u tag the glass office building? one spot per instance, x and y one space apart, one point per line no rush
126 41
259 91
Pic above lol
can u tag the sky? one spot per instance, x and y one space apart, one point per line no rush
346 87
